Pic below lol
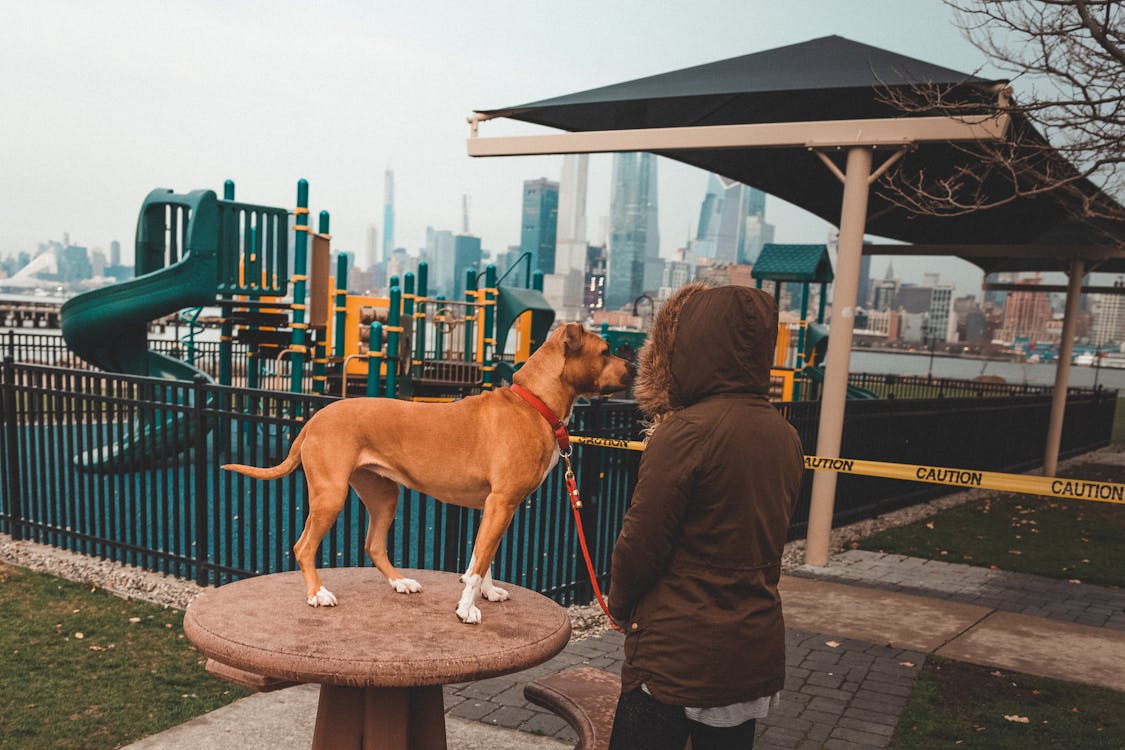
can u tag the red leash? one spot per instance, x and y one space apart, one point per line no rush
563 439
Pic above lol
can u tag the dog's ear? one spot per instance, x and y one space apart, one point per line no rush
573 335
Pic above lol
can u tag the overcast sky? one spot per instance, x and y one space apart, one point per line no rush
103 101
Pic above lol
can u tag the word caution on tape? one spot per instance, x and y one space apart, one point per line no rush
1070 489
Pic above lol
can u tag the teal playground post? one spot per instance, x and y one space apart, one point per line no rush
420 320
439 325
799 363
320 348
537 280
489 353
470 311
300 279
226 330
374 357
394 328
341 308
407 315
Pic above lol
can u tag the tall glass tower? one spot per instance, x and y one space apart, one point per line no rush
388 213
633 233
539 227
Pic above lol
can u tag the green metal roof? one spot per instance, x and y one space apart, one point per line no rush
806 263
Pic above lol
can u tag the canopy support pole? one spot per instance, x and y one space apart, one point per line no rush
1062 369
853 220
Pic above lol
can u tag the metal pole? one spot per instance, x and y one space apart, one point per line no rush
799 361
300 268
470 313
1062 370
488 358
393 330
374 357
853 219
420 318
226 330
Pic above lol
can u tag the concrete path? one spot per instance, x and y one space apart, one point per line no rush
853 650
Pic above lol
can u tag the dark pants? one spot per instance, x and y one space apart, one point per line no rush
644 723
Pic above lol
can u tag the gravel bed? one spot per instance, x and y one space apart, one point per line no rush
587 620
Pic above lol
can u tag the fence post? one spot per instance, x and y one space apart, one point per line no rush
14 507
200 496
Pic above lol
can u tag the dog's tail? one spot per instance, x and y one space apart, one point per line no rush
288 466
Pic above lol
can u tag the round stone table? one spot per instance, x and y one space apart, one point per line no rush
380 657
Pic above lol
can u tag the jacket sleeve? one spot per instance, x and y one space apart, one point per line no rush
653 521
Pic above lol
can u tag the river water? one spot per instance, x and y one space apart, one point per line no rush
967 369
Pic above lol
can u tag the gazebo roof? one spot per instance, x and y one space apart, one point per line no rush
805 263
826 80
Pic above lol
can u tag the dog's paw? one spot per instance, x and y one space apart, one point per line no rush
405 585
322 598
469 615
494 593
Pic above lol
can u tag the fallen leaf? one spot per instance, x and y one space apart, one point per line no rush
79 636
1073 580
930 525
906 664
134 619
1074 710
1035 692
997 674
1017 719
832 644
97 648
1014 552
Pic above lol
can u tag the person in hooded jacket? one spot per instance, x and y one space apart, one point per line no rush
696 566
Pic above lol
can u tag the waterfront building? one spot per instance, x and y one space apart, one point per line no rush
594 296
1026 314
539 223
466 255
1109 317
388 212
439 255
371 245
732 222
677 273
634 237
566 286
115 253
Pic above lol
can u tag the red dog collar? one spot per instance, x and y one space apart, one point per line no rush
561 435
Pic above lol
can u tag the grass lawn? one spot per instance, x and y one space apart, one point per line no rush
1067 539
965 706
1118 437
85 669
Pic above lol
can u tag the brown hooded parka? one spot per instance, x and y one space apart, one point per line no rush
696 566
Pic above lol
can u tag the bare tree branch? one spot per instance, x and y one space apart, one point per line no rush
1067 60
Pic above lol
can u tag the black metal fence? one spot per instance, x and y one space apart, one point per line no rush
127 468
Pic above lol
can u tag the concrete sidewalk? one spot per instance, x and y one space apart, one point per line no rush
852 651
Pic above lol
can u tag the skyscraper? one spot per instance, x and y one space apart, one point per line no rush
565 287
388 213
634 240
732 222
539 226
466 255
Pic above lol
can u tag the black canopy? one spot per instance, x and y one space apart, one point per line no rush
830 78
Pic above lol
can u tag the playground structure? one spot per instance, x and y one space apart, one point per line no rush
194 250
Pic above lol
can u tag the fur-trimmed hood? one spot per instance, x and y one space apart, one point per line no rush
705 342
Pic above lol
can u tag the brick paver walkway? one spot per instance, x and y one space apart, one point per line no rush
840 693
1080 603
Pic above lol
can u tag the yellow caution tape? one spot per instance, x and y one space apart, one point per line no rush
1060 487
629 445
1070 489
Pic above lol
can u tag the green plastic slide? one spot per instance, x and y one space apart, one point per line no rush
176 266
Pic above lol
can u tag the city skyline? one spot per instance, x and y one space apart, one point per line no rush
112 105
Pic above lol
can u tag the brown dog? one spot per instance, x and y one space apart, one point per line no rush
487 452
